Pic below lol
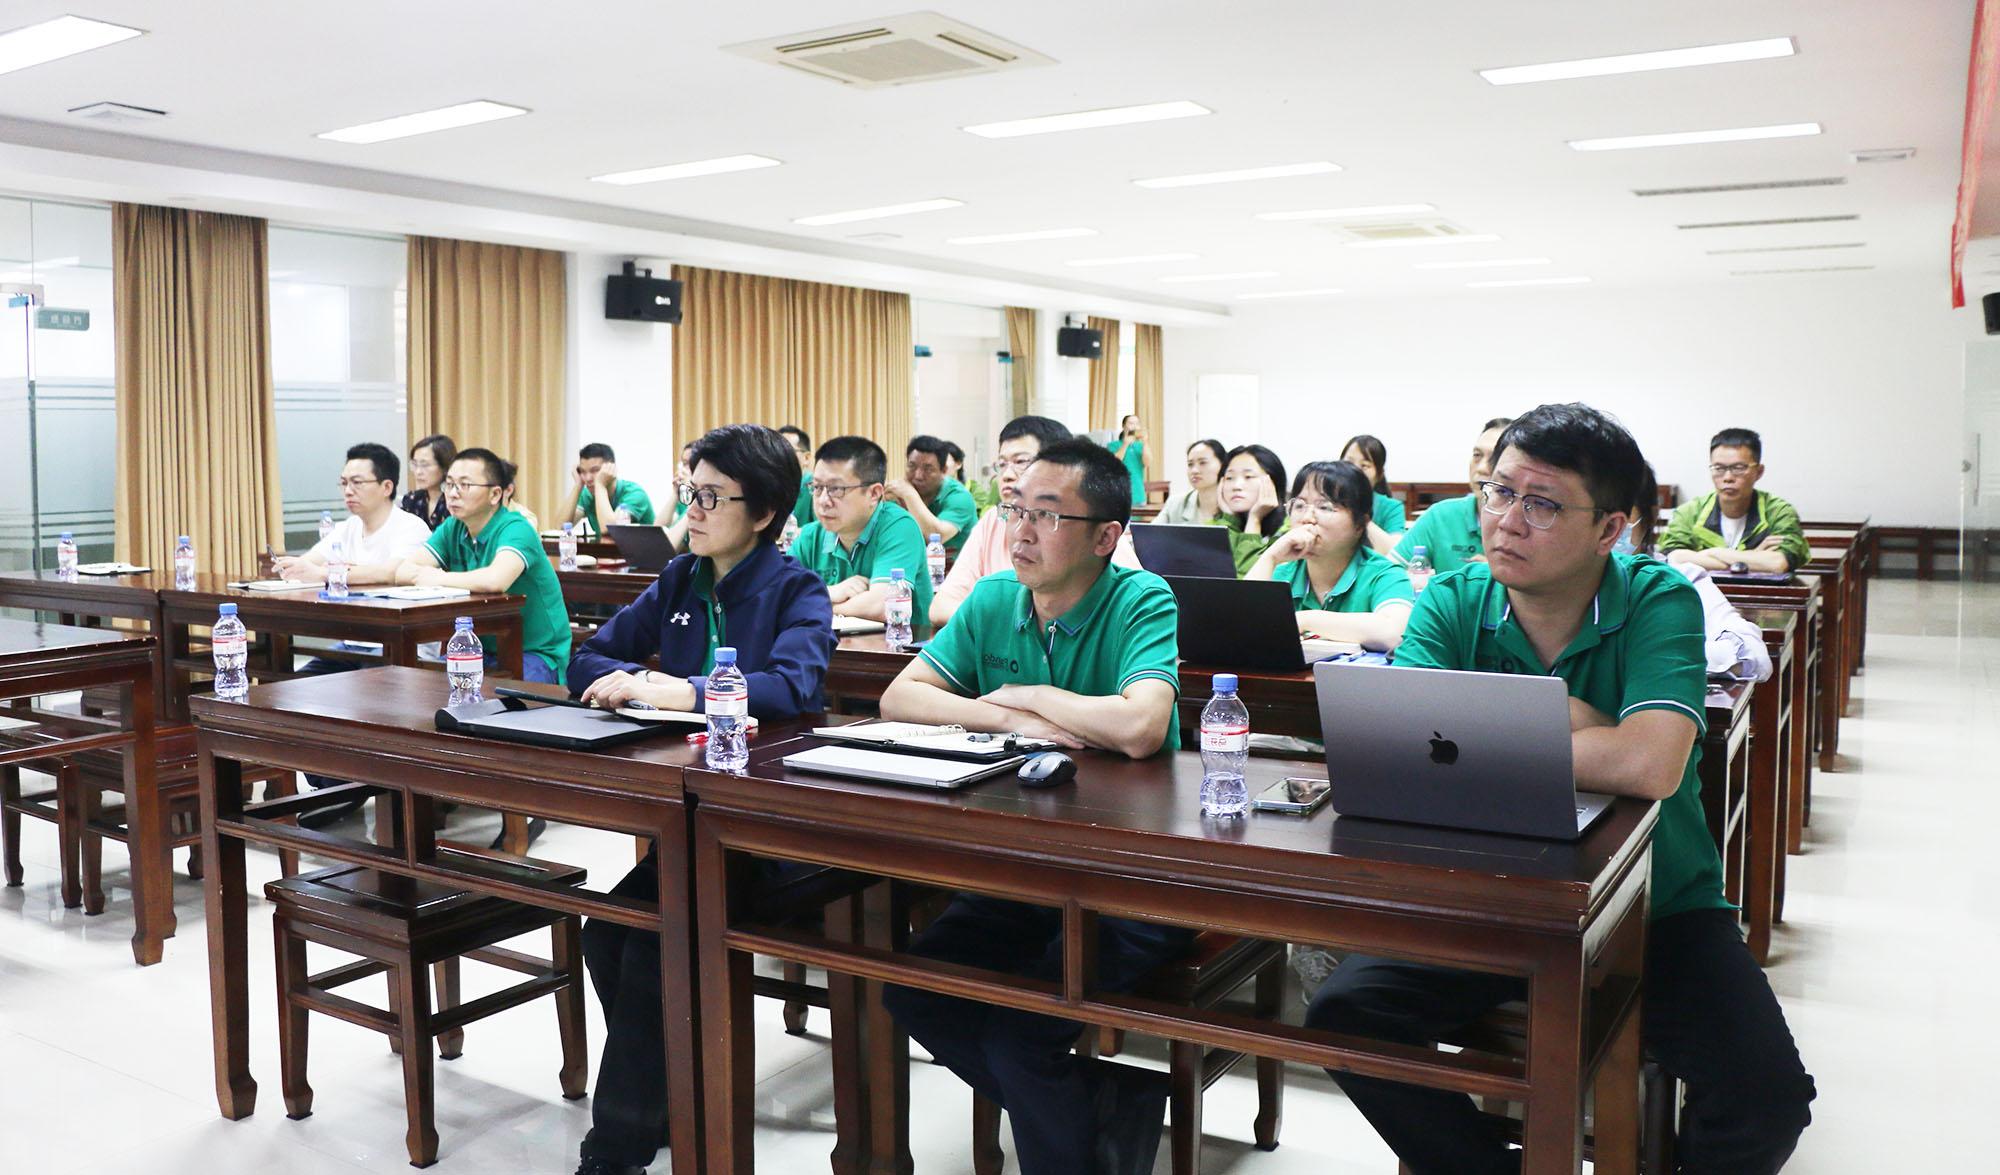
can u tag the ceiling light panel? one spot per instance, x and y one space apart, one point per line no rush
1787 248
1181 278
1773 222
681 171
1339 213
1241 175
1741 134
1083 120
1271 294
886 210
1528 281
1043 234
1134 259
1496 263
1419 242
1829 181
1596 67
53 40
425 122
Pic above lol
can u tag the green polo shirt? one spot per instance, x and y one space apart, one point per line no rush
1246 547
1697 526
890 540
1370 581
1388 514
544 618
625 495
704 590
1640 648
1449 531
954 504
803 508
1133 454
1125 628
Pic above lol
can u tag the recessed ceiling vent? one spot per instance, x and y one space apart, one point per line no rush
117 112
1419 229
1831 181
894 51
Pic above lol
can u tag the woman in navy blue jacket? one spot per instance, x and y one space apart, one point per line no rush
733 588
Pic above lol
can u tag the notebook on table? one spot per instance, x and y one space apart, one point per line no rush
855 626
885 767
948 742
110 569
412 594
272 585
517 720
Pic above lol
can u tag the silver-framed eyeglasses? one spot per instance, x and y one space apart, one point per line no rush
705 497
358 482
834 493
1040 520
1540 512
1737 470
1301 507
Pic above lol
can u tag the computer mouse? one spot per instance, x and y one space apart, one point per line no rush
1047 770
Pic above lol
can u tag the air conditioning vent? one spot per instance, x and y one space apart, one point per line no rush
896 51
1831 181
1787 248
117 112
1767 223
1421 229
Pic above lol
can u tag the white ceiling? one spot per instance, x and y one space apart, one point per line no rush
1386 90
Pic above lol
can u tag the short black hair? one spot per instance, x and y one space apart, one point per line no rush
1738 438
1588 443
762 462
1646 510
1373 449
1343 484
443 451
1214 446
387 465
508 472
596 449
925 443
1106 485
1500 422
799 438
1274 469
1045 431
498 472
871 464
952 451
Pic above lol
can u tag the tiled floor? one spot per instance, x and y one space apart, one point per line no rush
1885 967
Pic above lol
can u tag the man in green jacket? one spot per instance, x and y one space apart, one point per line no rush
1737 523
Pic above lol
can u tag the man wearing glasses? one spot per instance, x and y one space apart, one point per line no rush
1736 527
985 546
1625 634
939 502
1070 647
375 536
857 537
487 547
1449 531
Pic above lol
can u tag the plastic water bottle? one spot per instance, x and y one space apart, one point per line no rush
231 646
935 556
66 558
1225 748
464 663
566 548
896 612
184 564
726 698
791 532
1420 570
336 572
622 516
325 524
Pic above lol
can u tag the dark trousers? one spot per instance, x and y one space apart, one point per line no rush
1709 1019
1022 1060
628 1110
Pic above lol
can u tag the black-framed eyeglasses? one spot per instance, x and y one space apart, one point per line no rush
704 497
358 482
1539 512
1736 470
1016 515
834 493
464 487
1016 464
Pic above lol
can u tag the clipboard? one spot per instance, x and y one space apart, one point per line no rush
940 742
570 727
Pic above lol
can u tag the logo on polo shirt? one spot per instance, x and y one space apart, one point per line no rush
680 618
996 661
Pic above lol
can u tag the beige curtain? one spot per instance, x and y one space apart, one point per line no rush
197 425
831 359
1149 393
1104 377
486 357
1021 372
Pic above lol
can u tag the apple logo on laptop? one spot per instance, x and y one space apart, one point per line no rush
1443 750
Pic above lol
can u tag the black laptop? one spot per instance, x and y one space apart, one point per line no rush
1172 549
1247 624
645 548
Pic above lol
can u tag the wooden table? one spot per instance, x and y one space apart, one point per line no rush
37 659
601 548
1127 839
1724 771
376 726
1813 704
1778 754
92 599
607 587
860 669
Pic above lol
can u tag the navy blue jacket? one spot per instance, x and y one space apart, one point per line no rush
775 613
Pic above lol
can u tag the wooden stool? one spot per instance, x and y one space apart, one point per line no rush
1213 969
401 926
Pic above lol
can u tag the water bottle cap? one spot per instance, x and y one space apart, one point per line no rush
937 538
462 622
895 573
1225 683
1422 550
182 539
568 526
229 609
726 655
65 536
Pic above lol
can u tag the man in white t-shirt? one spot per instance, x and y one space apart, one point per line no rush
375 536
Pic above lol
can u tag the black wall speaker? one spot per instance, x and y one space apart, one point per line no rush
1076 342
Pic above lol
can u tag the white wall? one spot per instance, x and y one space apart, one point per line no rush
620 377
1856 385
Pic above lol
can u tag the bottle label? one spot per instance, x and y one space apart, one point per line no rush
230 646
1225 739
731 705
467 663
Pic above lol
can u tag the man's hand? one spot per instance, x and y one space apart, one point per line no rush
618 689
1584 716
1772 542
901 490
298 570
847 589
607 477
1020 701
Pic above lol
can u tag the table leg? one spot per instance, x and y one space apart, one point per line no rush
1767 764
681 996
1615 1133
1552 1133
887 926
146 833
729 1047
228 935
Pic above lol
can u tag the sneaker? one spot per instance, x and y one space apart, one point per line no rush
592 1165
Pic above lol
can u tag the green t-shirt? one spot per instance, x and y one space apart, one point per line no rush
1641 648
803 508
1450 533
625 495
1388 514
890 540
1133 454
1246 547
1697 526
544 618
1370 581
954 504
1125 628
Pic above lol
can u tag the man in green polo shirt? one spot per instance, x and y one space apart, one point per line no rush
939 502
1449 531
1071 647
803 446
486 547
1625 633
857 538
1736 523
601 493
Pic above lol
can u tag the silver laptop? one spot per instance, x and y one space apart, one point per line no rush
1484 751
1175 549
645 548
